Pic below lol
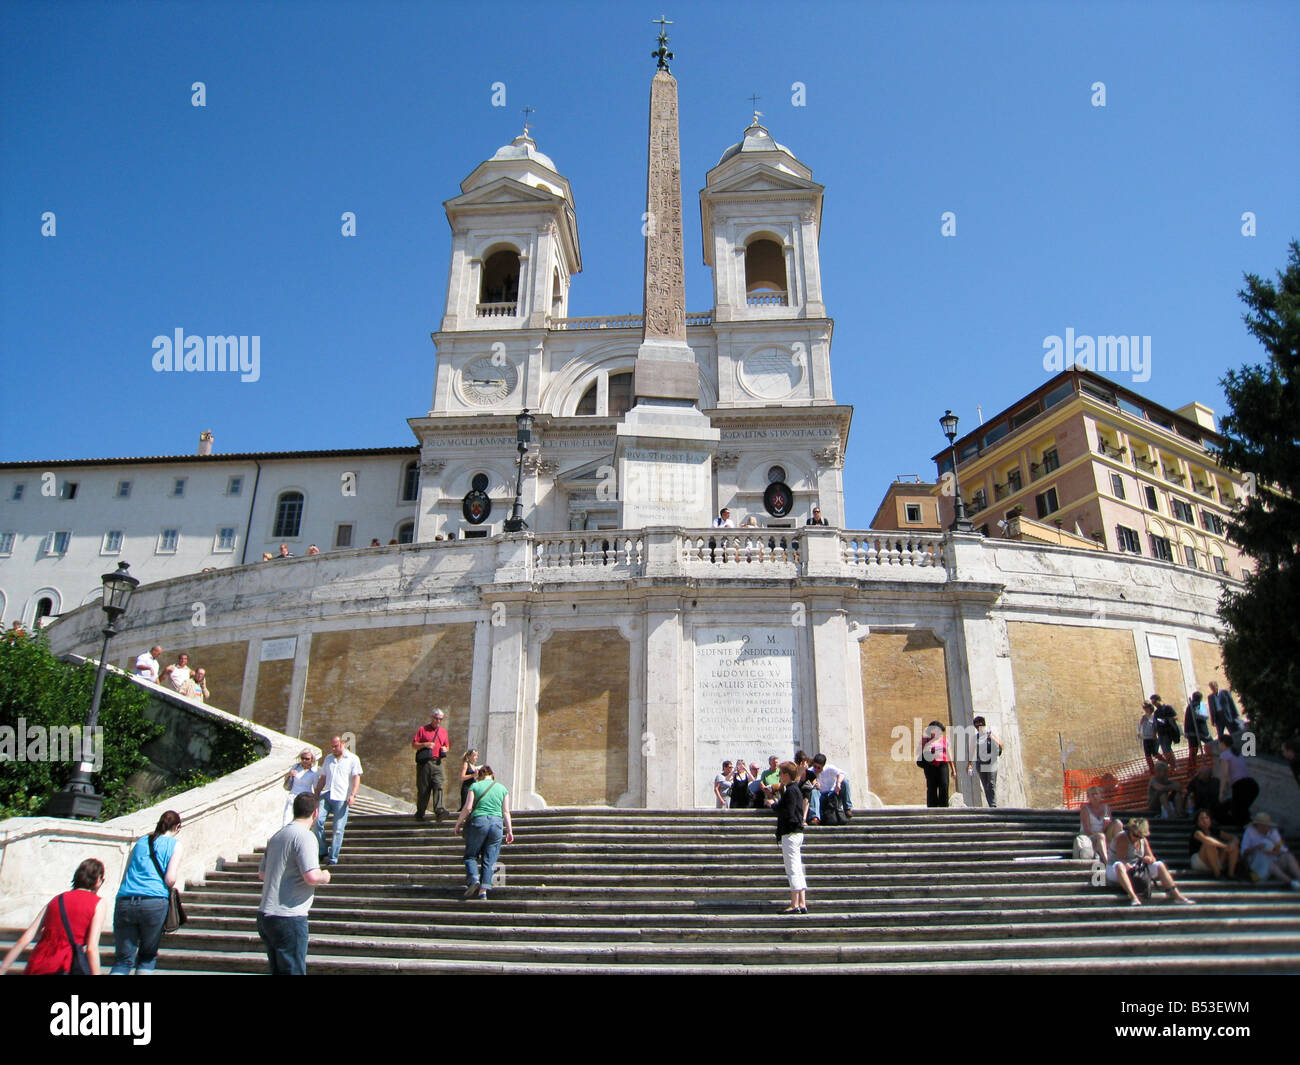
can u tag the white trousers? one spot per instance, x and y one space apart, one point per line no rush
791 846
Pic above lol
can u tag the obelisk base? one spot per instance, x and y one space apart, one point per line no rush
664 453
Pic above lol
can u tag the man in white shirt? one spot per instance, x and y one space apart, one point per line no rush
830 780
147 664
723 520
177 677
340 777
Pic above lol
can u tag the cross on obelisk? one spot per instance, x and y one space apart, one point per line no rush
664 446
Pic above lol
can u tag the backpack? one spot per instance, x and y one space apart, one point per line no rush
833 809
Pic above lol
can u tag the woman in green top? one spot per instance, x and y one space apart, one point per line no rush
486 809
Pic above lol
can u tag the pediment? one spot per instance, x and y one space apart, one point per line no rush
762 177
586 475
503 191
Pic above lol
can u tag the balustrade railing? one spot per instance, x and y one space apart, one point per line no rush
620 321
758 547
607 549
767 299
891 549
496 310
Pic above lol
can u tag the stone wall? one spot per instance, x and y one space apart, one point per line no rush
381 685
1077 682
904 679
582 705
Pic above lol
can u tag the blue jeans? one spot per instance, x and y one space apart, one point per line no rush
286 943
339 808
483 836
137 931
815 800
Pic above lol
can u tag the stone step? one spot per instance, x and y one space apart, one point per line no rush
818 951
779 927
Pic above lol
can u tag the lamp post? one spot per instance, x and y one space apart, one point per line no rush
960 523
523 435
78 797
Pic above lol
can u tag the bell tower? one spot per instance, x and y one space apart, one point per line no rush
761 215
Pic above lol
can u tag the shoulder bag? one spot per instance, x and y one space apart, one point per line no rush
175 910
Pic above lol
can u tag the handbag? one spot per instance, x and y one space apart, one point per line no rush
175 909
80 961
1083 848
1140 877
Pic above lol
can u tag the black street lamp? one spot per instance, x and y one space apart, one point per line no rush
524 435
78 797
961 523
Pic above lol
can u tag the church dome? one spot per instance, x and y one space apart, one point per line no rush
757 139
524 147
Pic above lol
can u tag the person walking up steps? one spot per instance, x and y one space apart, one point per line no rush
485 821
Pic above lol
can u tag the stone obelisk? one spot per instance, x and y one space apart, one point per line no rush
665 445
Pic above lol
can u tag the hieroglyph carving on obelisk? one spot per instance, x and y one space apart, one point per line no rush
665 280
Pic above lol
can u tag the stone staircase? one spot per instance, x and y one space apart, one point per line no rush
899 890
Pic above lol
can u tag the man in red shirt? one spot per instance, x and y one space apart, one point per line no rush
431 746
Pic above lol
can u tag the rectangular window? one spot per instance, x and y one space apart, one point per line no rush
1117 485
235 486
1014 481
1183 512
1128 539
978 501
913 511
123 490
56 543
1058 394
18 491
1161 548
1027 415
1219 566
1050 460
178 487
1190 554
112 542
969 451
1047 503
1132 408
6 543
1211 523
1150 494
995 434
225 538
167 541
473 534
343 536
69 490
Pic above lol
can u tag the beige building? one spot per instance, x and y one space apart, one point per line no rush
1091 458
909 505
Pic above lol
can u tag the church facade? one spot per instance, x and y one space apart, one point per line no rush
599 658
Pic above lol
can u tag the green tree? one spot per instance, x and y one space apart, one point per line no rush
1262 439
39 689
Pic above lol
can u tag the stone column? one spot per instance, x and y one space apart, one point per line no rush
663 745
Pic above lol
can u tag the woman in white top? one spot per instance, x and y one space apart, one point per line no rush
722 786
1131 846
1266 855
300 779
1096 823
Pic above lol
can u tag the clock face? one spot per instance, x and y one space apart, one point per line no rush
485 384
772 373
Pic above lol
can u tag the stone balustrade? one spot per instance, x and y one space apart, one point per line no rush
892 549
496 310
620 321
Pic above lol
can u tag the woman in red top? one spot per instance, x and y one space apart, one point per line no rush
53 953
937 763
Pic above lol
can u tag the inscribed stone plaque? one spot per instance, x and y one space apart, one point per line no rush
275 650
665 487
1160 646
744 699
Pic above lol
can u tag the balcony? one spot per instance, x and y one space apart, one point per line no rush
1144 464
1203 490
496 310
1110 452
767 299
1174 476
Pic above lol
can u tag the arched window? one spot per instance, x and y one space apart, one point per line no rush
44 608
557 297
411 482
406 533
587 404
765 281
620 394
288 515
499 291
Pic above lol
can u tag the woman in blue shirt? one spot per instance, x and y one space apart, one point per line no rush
142 900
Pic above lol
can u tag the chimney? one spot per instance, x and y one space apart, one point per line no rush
205 442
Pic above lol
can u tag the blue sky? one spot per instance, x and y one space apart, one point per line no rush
1122 219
